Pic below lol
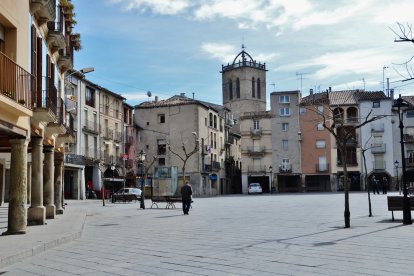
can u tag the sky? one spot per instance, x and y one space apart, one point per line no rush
170 47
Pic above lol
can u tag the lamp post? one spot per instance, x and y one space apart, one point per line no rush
396 163
113 176
141 159
383 78
271 178
400 104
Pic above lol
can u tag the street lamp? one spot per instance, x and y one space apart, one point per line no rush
271 178
141 159
113 176
396 163
400 104
383 78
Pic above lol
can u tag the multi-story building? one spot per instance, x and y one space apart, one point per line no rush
376 137
97 157
315 142
36 49
244 93
285 143
129 142
177 125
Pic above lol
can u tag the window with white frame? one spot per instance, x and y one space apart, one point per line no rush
285 144
284 99
320 144
284 111
285 127
302 110
320 126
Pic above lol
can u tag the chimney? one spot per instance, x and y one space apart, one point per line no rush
182 94
311 91
330 89
392 93
156 99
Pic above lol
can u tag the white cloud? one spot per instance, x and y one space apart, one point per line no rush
223 52
164 7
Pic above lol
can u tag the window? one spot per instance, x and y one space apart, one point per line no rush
322 164
106 104
256 124
285 127
211 119
320 126
238 88
258 89
215 140
215 121
376 104
162 149
253 88
90 96
161 118
285 144
410 113
161 161
320 108
284 111
302 111
116 108
95 147
320 144
284 99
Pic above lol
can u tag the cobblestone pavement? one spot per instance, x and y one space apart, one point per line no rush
283 234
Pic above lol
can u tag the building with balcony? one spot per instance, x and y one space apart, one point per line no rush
377 137
286 139
34 116
315 143
177 125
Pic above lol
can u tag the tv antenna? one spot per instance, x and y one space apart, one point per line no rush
274 86
301 78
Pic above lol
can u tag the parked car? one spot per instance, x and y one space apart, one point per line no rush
127 194
255 188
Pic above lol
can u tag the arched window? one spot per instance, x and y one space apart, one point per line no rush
258 89
253 88
238 88
230 90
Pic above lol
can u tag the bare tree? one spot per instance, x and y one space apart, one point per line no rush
405 34
185 155
345 134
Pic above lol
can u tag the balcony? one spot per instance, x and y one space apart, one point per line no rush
352 120
377 128
409 162
322 167
285 168
55 39
255 132
117 136
65 61
16 83
408 138
91 127
378 148
43 10
108 134
45 105
378 165
256 151
256 170
129 140
229 141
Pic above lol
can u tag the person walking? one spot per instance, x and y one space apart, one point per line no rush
374 183
384 185
186 193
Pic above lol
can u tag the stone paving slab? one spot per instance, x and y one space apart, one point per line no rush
280 234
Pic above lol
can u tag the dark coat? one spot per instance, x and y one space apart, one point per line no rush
186 192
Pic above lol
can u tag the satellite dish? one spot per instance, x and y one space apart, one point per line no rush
149 94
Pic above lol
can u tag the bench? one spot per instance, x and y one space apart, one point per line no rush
170 200
395 203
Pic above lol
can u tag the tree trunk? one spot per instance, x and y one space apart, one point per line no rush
347 213
368 184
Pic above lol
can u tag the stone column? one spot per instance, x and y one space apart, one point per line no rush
58 182
37 212
2 184
29 182
48 182
17 218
